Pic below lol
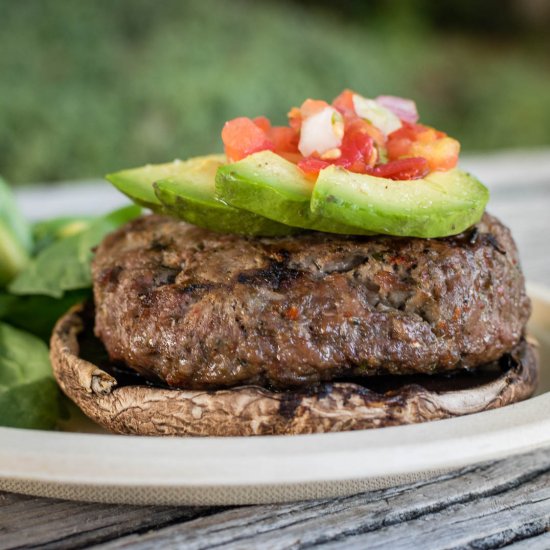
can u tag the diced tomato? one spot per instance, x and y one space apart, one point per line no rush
400 141
398 147
344 103
428 135
357 149
360 125
242 137
284 139
408 131
441 154
262 122
285 142
402 169
295 118
311 166
357 152
416 140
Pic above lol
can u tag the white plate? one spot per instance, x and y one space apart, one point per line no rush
147 470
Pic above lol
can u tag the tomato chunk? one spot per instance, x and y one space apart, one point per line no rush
242 137
357 150
285 142
344 103
295 119
416 140
441 154
311 166
365 127
262 122
402 169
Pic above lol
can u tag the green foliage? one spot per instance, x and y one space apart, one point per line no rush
38 314
90 87
12 217
15 236
29 397
46 232
65 265
54 280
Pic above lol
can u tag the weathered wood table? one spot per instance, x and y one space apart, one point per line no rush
487 506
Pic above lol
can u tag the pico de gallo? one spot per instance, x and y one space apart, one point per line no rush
380 137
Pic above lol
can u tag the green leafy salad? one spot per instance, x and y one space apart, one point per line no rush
44 270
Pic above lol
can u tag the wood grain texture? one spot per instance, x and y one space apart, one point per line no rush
29 522
534 543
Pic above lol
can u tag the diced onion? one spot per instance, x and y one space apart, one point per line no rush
321 132
381 117
405 109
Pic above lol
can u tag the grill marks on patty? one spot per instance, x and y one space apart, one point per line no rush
202 310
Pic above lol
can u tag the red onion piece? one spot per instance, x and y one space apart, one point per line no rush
405 109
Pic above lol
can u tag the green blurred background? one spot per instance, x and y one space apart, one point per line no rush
88 87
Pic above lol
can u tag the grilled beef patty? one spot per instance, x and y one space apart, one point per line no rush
201 310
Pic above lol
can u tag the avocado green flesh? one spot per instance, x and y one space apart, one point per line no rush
137 183
215 215
439 205
269 185
189 195
185 189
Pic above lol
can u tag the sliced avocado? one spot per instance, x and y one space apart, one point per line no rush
137 183
271 186
185 189
441 204
189 195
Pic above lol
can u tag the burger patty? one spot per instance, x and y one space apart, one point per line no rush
202 310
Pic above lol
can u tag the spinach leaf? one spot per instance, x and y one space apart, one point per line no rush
47 232
15 236
38 314
29 397
65 265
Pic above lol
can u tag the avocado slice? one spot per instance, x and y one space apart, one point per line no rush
137 183
441 204
188 194
185 189
271 186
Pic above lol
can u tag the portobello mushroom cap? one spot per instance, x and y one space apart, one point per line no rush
250 410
